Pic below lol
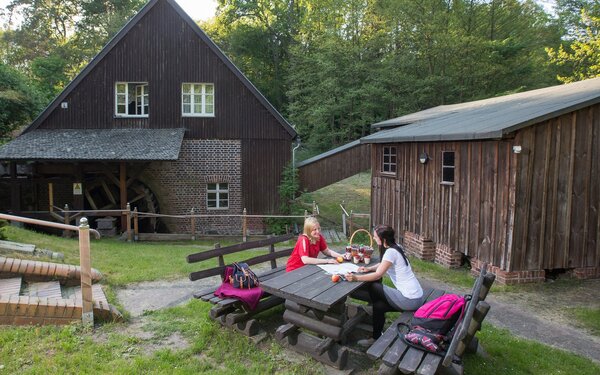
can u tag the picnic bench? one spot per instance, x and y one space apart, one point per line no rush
231 312
398 357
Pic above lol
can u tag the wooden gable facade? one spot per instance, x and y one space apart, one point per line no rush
525 200
245 143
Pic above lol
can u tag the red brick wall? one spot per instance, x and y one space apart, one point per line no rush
419 246
447 257
180 185
510 278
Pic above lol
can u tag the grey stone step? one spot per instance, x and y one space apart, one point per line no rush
7 246
10 286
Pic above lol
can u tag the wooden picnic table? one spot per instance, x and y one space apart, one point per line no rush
317 304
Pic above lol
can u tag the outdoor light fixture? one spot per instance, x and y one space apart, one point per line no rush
517 149
423 157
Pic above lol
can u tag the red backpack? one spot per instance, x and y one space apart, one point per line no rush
432 325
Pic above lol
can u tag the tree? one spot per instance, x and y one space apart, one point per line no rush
581 59
19 102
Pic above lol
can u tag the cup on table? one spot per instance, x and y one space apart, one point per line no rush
367 259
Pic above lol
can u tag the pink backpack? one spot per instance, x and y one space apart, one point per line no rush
432 325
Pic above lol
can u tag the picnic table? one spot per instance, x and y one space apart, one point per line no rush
315 303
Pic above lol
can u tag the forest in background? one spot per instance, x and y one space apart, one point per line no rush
331 67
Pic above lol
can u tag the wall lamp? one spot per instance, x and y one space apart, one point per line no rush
423 157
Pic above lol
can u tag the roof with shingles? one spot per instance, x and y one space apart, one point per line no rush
491 118
95 144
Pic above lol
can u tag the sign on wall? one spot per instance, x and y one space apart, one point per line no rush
77 189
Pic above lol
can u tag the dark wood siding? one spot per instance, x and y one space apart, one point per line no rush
163 50
261 174
471 215
335 168
539 209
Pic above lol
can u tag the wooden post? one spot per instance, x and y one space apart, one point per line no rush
344 224
123 191
305 214
66 233
314 210
128 224
244 225
351 231
193 224
136 230
221 259
87 307
50 197
274 261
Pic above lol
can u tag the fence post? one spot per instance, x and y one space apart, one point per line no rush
193 224
314 210
351 231
136 230
344 224
244 225
67 233
129 236
221 259
87 307
305 214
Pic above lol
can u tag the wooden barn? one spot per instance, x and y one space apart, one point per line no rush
513 181
160 118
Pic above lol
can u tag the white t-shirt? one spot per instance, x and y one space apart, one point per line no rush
402 275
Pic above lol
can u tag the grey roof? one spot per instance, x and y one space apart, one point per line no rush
489 118
95 144
121 34
329 153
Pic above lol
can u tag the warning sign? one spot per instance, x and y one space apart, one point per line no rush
77 188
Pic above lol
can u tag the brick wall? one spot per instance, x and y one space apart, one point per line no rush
447 257
586 273
510 278
180 185
419 246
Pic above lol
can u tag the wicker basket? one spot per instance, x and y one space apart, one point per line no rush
362 230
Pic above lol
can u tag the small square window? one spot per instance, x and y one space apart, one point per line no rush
389 160
448 167
217 195
131 99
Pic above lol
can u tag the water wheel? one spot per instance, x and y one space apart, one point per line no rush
102 193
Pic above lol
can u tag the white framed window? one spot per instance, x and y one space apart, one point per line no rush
131 99
389 160
217 195
447 167
197 99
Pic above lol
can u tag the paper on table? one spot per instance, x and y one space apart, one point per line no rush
342 268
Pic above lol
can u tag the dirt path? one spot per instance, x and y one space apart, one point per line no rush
538 316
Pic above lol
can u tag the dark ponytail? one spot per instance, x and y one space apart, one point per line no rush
387 235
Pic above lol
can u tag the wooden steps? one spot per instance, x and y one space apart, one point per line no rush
10 286
32 295
48 289
332 235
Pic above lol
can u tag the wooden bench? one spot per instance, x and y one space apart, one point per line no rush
397 356
232 312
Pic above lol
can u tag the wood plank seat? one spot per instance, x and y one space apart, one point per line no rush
397 356
231 312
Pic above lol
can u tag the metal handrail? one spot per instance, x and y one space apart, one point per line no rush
87 306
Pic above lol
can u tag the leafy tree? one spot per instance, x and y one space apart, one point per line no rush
581 59
19 102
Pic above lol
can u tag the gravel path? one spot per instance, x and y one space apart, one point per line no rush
512 311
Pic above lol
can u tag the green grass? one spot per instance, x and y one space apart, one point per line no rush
74 350
587 317
123 263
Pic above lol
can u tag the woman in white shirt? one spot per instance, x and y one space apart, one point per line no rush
407 294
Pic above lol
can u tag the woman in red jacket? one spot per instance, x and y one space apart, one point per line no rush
309 244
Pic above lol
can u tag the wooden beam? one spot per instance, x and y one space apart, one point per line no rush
123 192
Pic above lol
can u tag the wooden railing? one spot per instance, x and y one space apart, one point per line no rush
348 222
87 306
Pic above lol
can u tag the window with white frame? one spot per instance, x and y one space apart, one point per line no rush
389 159
217 195
131 99
447 167
198 99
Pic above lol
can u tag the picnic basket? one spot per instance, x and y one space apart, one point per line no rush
362 230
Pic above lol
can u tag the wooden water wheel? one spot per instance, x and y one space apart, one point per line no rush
102 193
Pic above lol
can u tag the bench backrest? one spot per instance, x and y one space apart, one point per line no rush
220 252
475 312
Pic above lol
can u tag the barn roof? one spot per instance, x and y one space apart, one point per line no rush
491 118
121 34
95 144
